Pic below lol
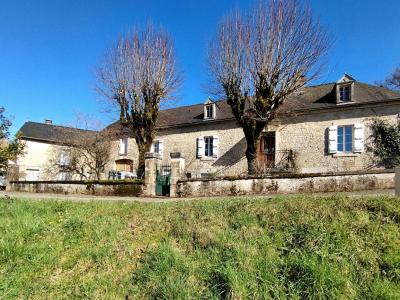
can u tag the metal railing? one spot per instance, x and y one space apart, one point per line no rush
277 161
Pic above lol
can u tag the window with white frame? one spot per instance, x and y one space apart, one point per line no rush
345 139
123 146
209 111
345 93
208 146
32 174
156 147
64 159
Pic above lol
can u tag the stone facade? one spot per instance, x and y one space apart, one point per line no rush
306 134
183 139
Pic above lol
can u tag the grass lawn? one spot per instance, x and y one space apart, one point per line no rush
304 247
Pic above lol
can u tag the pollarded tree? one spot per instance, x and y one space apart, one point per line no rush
261 58
137 75
9 149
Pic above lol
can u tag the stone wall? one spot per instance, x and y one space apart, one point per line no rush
295 183
79 187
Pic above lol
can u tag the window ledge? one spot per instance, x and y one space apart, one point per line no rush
344 154
207 158
345 102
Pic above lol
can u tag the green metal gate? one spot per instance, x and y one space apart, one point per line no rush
163 180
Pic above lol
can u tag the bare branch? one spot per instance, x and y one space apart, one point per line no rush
261 58
138 73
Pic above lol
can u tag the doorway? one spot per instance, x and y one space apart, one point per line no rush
266 150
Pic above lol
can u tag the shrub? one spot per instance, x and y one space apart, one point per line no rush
385 143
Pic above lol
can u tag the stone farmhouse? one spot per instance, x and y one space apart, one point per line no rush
320 129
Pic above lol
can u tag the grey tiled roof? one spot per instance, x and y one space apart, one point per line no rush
52 133
312 97
324 96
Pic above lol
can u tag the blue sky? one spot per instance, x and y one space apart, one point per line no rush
49 48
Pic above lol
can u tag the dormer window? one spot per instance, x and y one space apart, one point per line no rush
209 110
345 93
345 89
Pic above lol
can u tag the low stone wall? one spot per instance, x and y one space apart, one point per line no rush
109 188
287 183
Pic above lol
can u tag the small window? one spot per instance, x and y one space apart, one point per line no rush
209 112
156 147
345 93
208 146
64 159
345 139
32 174
123 146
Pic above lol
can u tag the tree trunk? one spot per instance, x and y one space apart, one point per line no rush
143 148
141 163
251 155
252 133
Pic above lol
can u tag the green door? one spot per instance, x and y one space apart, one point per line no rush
163 180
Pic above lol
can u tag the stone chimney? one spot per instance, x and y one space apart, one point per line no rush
48 122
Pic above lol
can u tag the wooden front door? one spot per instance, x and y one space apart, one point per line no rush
266 150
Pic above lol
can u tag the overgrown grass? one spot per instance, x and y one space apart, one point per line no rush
304 247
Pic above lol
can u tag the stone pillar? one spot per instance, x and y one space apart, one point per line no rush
397 182
177 171
151 161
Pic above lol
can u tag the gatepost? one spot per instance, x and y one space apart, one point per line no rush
177 170
151 162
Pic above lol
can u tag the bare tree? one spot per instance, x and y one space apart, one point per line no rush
82 153
261 58
393 81
138 73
